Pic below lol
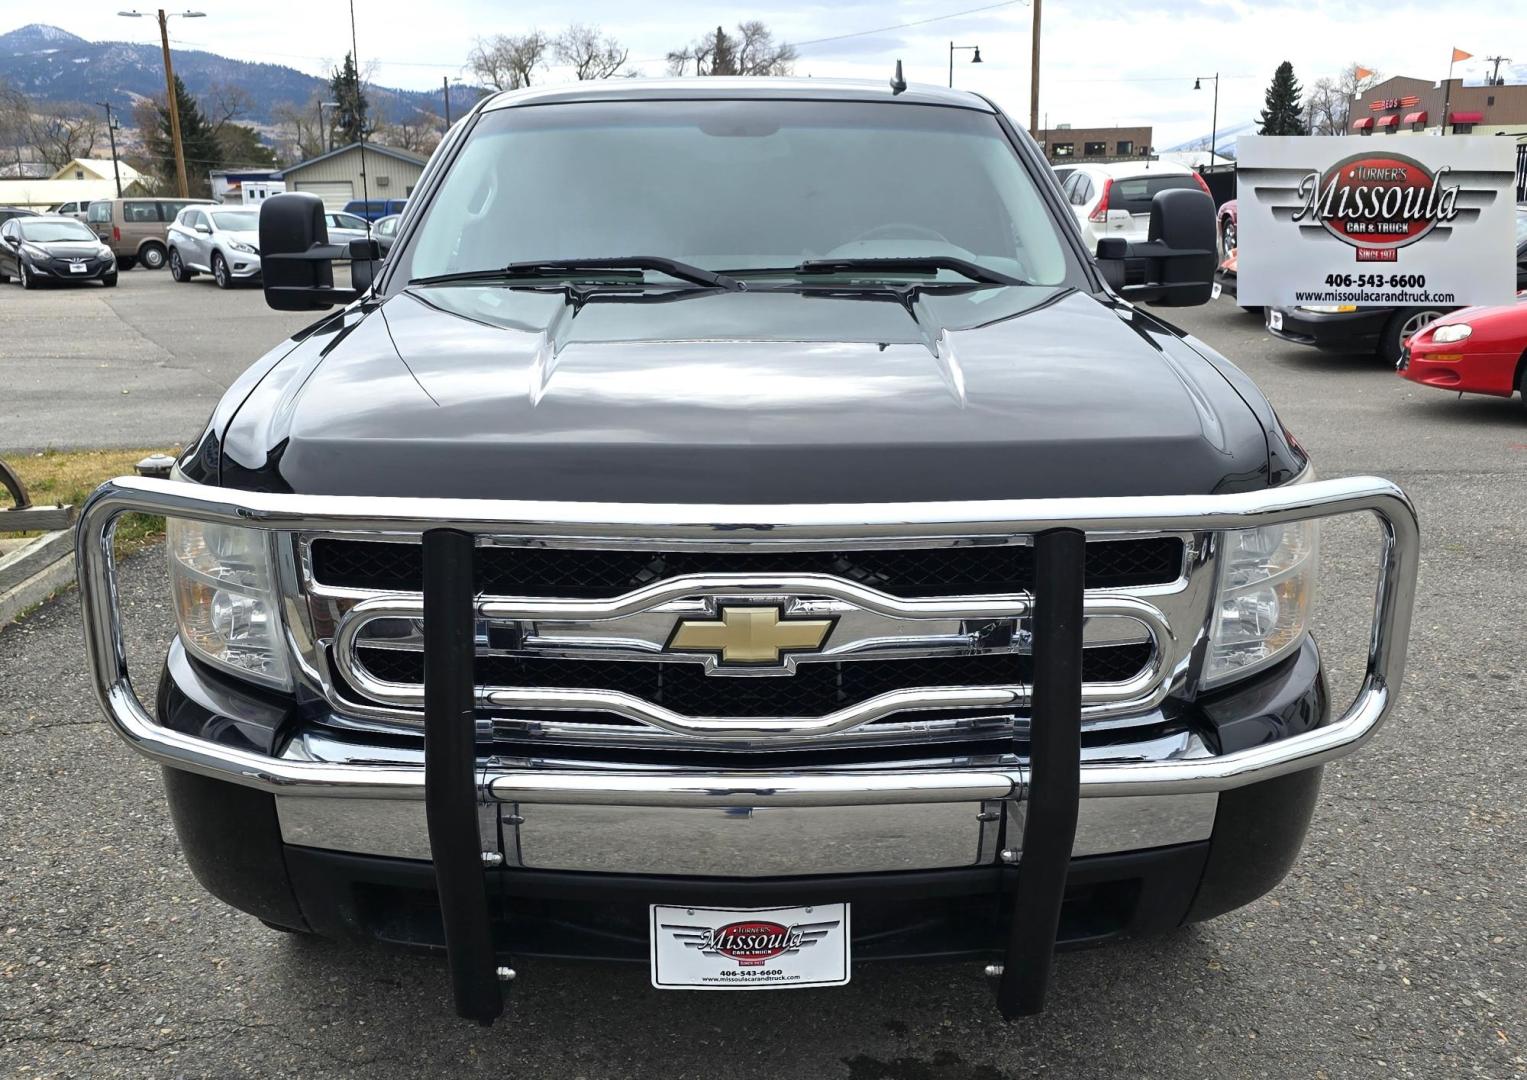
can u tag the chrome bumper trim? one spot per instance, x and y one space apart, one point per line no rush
766 841
759 526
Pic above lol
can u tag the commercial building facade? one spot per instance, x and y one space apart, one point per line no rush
336 177
1067 143
1406 106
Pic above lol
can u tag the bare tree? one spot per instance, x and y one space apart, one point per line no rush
589 53
1329 105
418 132
508 62
299 128
751 51
57 132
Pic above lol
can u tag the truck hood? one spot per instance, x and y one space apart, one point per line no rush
754 397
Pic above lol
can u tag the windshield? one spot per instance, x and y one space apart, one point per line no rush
43 232
738 185
237 220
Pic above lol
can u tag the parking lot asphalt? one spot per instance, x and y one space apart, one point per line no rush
83 366
1394 948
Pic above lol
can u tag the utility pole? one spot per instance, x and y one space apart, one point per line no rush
1495 71
174 102
1034 76
171 100
111 133
445 84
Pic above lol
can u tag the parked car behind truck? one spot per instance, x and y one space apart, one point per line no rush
137 229
813 561
1348 328
223 242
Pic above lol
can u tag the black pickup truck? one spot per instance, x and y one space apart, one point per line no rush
741 530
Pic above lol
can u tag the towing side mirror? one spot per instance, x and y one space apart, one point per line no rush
1175 266
296 258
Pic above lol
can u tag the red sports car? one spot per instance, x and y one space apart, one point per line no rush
1479 350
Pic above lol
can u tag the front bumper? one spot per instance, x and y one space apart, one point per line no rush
1449 367
58 269
1028 813
1334 331
243 265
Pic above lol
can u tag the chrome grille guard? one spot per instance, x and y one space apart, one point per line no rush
755 527
452 780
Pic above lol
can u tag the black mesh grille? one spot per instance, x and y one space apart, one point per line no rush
814 690
910 572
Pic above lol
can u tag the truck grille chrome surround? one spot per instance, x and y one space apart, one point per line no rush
897 666
1143 689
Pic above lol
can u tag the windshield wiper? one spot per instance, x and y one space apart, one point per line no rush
915 264
912 264
627 268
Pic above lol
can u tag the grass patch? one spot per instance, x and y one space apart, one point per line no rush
69 476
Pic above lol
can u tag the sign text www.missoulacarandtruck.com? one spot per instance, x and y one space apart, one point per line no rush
1392 221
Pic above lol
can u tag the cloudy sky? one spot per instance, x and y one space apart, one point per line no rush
1116 61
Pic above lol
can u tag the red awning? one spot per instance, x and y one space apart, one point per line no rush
1467 118
1416 117
1365 124
1388 121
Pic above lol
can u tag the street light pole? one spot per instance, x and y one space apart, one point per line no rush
1214 121
976 59
111 133
171 99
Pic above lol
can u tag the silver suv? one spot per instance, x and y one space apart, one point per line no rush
223 242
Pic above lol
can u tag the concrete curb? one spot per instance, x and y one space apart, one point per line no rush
34 572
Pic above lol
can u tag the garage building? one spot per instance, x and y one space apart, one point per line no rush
335 177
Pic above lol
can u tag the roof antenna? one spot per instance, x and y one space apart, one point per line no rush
355 57
898 84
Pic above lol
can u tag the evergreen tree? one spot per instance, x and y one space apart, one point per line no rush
198 141
1283 114
349 120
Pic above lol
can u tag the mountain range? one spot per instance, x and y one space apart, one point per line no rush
49 64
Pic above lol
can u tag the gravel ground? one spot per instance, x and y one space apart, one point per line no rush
1395 947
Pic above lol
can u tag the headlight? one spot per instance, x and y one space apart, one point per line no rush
108 254
1329 309
34 251
225 598
239 245
1451 332
1267 582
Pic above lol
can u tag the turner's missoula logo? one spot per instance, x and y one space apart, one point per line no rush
1378 203
751 942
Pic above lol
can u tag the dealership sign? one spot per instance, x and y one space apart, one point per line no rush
1378 221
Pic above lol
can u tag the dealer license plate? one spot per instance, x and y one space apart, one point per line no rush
1215 291
77 268
1275 320
697 948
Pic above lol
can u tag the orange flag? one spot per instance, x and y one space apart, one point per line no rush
1459 54
1363 73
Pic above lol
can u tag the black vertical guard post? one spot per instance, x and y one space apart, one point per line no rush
450 782
1055 753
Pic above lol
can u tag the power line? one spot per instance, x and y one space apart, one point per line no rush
905 25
